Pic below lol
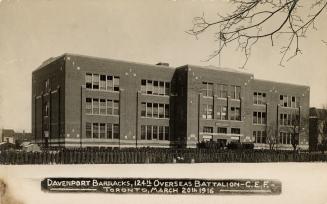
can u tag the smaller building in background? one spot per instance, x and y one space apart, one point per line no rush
317 128
10 136
7 135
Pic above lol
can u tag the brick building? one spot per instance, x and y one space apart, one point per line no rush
81 101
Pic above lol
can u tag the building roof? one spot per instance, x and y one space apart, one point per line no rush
318 113
285 83
8 132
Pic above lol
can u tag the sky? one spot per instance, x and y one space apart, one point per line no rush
147 31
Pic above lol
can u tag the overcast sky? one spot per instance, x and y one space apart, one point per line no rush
147 31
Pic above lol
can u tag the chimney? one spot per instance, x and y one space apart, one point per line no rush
163 64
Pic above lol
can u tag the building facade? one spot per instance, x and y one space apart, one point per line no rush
81 101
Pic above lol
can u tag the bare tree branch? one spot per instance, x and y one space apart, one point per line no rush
254 20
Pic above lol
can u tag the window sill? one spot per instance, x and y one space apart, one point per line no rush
102 90
145 94
100 115
154 118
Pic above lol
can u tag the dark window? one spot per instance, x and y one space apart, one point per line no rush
222 130
161 132
109 130
95 106
143 109
149 132
236 131
102 82
116 83
88 81
103 107
166 133
143 86
95 130
102 130
116 108
207 129
88 106
167 88
143 132
149 87
161 111
116 131
155 110
166 110
149 110
88 128
95 81
155 132
110 83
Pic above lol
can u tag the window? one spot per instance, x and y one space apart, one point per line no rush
166 110
95 130
149 87
161 132
166 133
116 131
102 82
103 107
143 86
88 128
110 83
222 130
95 106
116 108
88 106
222 113
161 110
259 98
259 118
207 111
109 131
259 136
235 113
288 101
207 89
155 110
155 132
109 107
116 83
149 132
149 110
143 132
236 131
285 138
222 90
167 88
235 92
88 81
162 88
207 129
290 119
155 88
95 80
143 109
102 130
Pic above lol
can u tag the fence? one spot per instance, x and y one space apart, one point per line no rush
149 155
